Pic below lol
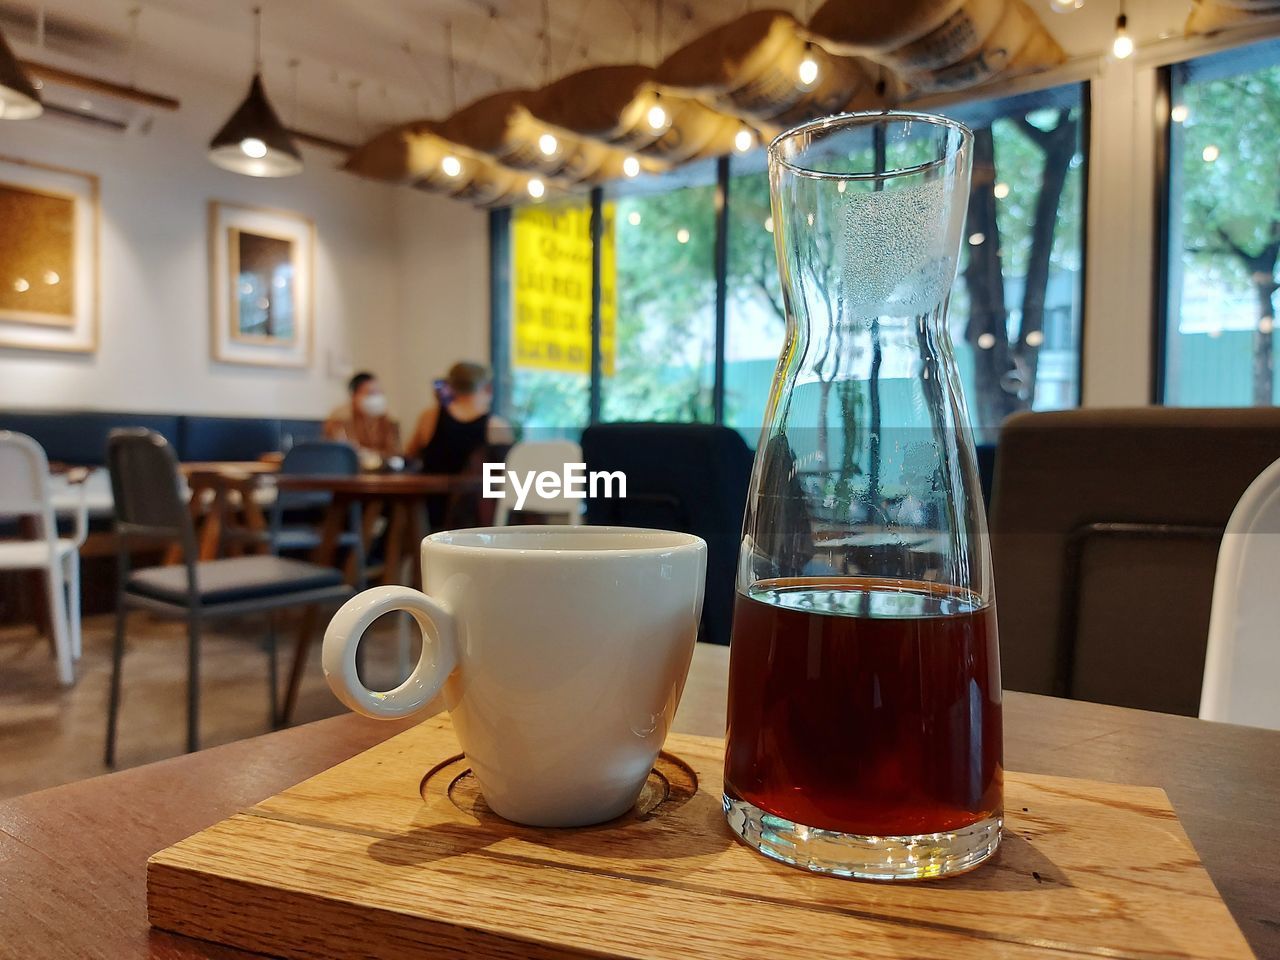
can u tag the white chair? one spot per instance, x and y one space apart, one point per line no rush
535 457
1242 660
25 492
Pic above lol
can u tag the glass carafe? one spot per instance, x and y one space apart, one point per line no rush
864 733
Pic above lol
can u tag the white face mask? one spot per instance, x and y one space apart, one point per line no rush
373 404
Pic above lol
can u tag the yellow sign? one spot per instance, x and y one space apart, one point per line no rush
551 289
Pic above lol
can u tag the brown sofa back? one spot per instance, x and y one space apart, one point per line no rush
1105 526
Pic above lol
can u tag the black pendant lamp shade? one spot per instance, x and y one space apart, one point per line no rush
254 141
19 98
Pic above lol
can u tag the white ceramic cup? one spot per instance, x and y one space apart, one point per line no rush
562 653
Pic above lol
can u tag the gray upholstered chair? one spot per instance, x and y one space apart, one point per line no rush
1105 526
150 507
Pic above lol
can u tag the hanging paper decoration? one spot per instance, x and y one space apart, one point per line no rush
939 44
751 67
416 155
624 107
763 69
502 126
1210 15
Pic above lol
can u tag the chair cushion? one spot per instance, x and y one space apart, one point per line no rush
234 580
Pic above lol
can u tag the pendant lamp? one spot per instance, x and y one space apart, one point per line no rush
19 98
254 141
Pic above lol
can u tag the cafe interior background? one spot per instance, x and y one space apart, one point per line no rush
575 192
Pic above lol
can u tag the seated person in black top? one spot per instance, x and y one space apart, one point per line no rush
448 434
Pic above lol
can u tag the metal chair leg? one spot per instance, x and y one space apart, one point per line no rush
193 684
303 647
117 660
272 671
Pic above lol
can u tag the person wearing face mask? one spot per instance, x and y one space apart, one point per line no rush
364 421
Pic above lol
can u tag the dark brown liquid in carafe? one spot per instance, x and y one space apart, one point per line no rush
866 706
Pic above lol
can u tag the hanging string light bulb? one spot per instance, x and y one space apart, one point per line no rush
1122 45
808 70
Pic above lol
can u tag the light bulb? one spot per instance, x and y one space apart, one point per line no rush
548 144
1210 153
808 71
21 285
1065 6
1035 338
1179 113
977 239
1266 325
986 341
631 166
1122 45
536 188
682 235
633 218
743 140
657 117
841 187
1000 190
768 224
451 166
253 147
51 277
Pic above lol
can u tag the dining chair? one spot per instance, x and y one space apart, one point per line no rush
530 459
147 488
316 458
1242 659
689 477
1105 530
25 491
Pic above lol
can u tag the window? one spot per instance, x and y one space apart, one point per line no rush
662 362
1223 229
755 322
1015 315
1016 310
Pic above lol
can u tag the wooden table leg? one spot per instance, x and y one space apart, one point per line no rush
211 532
255 521
301 649
335 521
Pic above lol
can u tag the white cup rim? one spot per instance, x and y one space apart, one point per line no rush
489 541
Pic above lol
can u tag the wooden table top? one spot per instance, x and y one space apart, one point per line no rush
380 484
73 858
193 468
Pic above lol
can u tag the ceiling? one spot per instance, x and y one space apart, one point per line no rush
362 65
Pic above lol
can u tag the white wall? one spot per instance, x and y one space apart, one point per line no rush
386 258
443 260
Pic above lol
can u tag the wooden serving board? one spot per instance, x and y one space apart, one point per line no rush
394 854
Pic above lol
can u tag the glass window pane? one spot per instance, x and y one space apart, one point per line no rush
549 347
658 282
755 323
1015 312
1224 230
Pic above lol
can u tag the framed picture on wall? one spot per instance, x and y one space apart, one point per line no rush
48 257
260 270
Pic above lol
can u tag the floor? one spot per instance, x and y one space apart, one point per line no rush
51 734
